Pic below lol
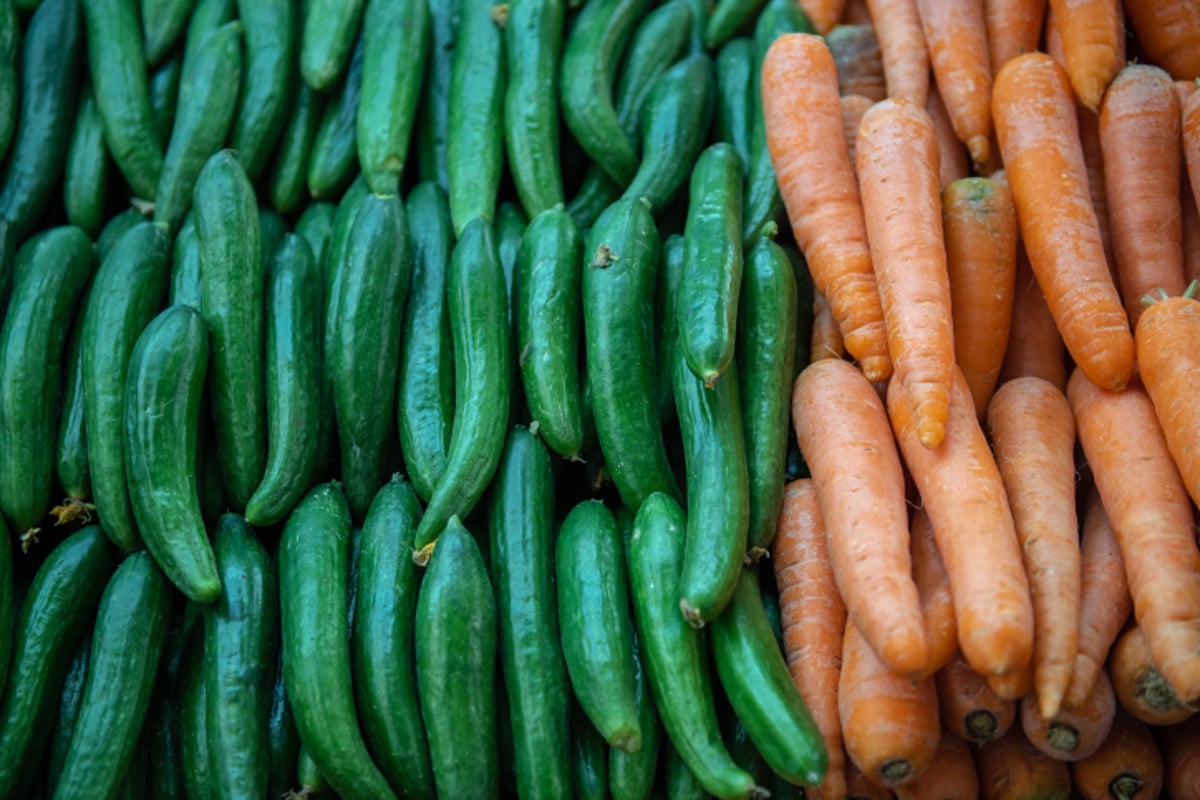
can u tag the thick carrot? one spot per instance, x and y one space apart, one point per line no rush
843 432
933 585
902 47
853 108
898 176
1035 347
813 619
1010 768
1152 519
889 723
1140 140
952 164
1039 140
823 14
803 119
968 707
1128 765
1093 41
859 64
1012 685
956 35
1013 27
1168 31
1033 436
1073 733
826 339
860 787
1139 685
951 776
1180 748
961 488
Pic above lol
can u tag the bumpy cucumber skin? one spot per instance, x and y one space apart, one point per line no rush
283 742
631 775
333 159
71 463
328 34
735 95
589 759
85 174
657 43
193 722
433 114
728 16
666 323
163 22
164 97
68 710
271 31
289 175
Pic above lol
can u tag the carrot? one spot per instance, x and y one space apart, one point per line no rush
843 432
951 776
902 47
968 707
859 64
1052 44
961 488
952 163
1011 768
813 620
980 227
898 176
1013 28
803 118
1139 685
1039 140
860 787
1190 114
1168 32
826 336
853 108
889 723
1093 41
1180 748
956 35
1035 347
1152 519
823 14
1012 685
1128 765
1093 160
1190 223
933 585
1033 435
1140 139
1073 733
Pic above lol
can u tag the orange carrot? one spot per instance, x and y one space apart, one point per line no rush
853 108
1168 31
1035 347
803 119
1139 685
823 14
1190 223
813 619
902 47
889 724
1093 41
1093 160
1013 27
1140 138
1180 748
1152 519
1128 765
956 35
855 13
898 176
1012 685
951 776
968 707
1039 140
961 488
1190 113
826 336
1051 40
859 64
1073 733
859 787
1011 768
952 163
843 431
933 585
980 226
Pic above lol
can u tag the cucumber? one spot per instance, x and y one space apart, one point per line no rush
681 782
312 782
728 17
283 742
67 712
163 23
327 37
131 625
804 308
185 266
433 114
631 775
85 173
589 759
161 737
666 323
736 106
71 463
315 225
618 315
208 15
521 526
548 323
425 389
126 294
456 667
164 98
271 230
118 70
268 85
743 751
289 174
113 230
385 680
193 722
164 387
314 571
135 780
675 657
482 375
50 272
10 37
293 388
231 285
332 162
7 605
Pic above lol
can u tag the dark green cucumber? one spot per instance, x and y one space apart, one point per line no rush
766 351
596 193
161 736
118 69
666 323
735 95
589 759
126 294
164 98
193 722
510 228
660 40
680 782
712 264
271 230
6 604
204 111
293 381
674 127
521 529
85 174
164 387
456 667
163 23
241 633
433 114
701 11
131 626
185 266
51 61
329 31
728 17
756 680
289 174
475 129
804 307
533 34
271 29
312 783
68 709
50 273
597 633
10 36
71 463
114 229
231 285
364 322
482 375
332 162
314 573
618 318
548 324
315 225
283 742
425 389
631 775
208 15
385 679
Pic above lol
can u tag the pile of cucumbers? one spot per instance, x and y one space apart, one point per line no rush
394 400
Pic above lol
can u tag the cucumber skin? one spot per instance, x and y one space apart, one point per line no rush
10 36
270 38
289 174
589 759
164 98
433 110
68 710
334 155
193 722
85 173
327 37
631 775
163 22
71 463
282 740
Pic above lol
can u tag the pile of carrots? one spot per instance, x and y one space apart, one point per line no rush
990 584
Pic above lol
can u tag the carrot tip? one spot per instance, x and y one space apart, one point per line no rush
931 433
980 148
876 368
691 614
1049 704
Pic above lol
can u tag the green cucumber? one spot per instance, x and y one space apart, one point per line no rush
134 782
85 173
163 23
618 320
589 759
521 527
735 96
804 308
231 284
597 633
283 742
314 573
114 229
433 115
193 722
164 387
329 30
743 751
271 230
10 37
755 677
67 712
674 652
71 462
315 225
131 626
456 667
161 737
308 776
701 11
425 388
596 193
728 17
50 272
185 266
482 376
164 98
385 679
666 323
660 40
289 174
631 775
7 605
510 228
680 782
208 15
271 32
548 323
126 294
332 162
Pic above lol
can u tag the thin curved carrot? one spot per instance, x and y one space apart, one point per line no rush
1093 161
1072 733
902 47
823 14
1013 27
968 706
1168 32
856 54
956 36
951 776
853 108
952 154
1139 686
1128 764
826 339
1035 347
1093 41
933 586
